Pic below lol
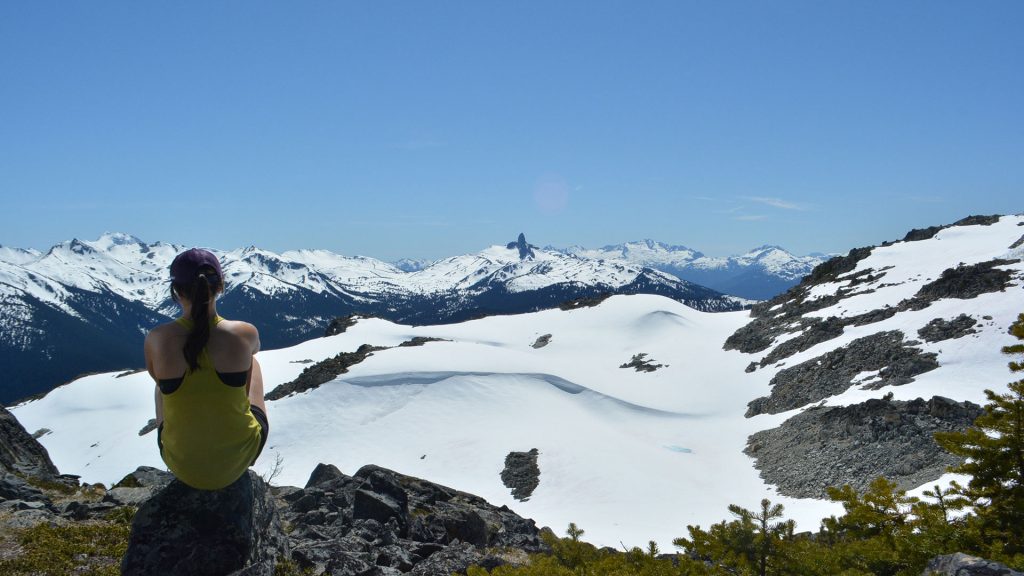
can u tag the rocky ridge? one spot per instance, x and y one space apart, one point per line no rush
326 370
894 362
835 445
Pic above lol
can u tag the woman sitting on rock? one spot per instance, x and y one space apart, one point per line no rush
210 412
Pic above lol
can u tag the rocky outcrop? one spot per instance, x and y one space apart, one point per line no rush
786 313
524 247
832 446
521 474
542 341
322 372
420 341
181 530
382 522
918 234
588 302
817 331
941 329
20 453
326 370
340 324
897 363
641 363
963 282
961 564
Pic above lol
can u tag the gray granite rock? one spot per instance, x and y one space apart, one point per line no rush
898 362
961 564
521 473
181 530
832 446
20 453
941 329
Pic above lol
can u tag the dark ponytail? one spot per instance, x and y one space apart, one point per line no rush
201 291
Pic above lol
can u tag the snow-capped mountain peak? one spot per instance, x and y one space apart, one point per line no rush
116 287
759 273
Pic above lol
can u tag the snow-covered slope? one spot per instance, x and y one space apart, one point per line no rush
57 307
628 455
759 274
846 352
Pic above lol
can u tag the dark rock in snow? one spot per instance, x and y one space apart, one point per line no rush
323 372
521 473
831 269
420 341
149 427
542 341
918 234
832 446
832 373
978 220
930 232
963 282
940 329
340 324
588 302
192 532
961 564
817 331
641 363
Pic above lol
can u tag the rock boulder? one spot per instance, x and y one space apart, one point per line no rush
181 530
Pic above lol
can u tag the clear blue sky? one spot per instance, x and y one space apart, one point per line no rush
428 129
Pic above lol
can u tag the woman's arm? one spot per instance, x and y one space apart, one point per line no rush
149 350
254 387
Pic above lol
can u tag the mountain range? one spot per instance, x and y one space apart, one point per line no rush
85 306
643 415
759 274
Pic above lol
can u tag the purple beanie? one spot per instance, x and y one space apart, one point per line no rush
186 266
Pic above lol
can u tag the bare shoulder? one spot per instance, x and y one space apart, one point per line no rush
243 330
161 333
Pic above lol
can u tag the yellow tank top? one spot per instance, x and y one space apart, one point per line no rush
210 437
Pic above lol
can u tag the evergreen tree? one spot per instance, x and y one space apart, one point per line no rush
994 452
748 545
876 534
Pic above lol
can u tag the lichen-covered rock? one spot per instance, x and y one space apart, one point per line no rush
14 488
381 522
181 530
961 564
455 559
